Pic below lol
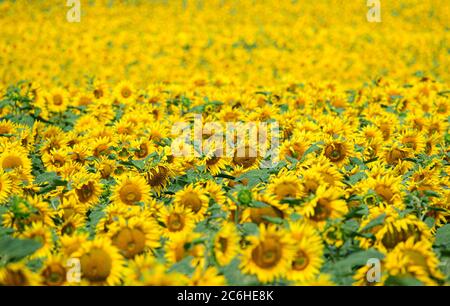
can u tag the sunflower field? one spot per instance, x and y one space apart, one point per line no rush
93 190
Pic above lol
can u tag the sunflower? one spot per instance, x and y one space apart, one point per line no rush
86 187
57 100
214 191
18 274
325 205
72 224
395 229
361 278
296 146
371 138
338 150
14 159
285 185
214 163
394 153
30 209
5 186
100 262
387 188
72 243
40 233
309 249
272 209
413 140
180 246
138 267
158 177
131 189
246 157
106 167
226 244
54 271
207 277
79 153
177 220
414 259
56 159
269 255
101 146
124 92
194 198
115 211
134 235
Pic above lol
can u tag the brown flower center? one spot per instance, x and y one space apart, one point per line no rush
130 194
301 261
175 222
192 200
267 254
96 265
130 242
335 152
85 192
54 275
12 162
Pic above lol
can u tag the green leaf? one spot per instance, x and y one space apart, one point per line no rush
355 260
12 249
46 177
375 222
258 204
250 228
234 276
402 281
183 266
274 220
443 236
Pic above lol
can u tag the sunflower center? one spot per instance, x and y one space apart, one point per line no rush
385 192
106 170
397 235
335 152
286 190
395 155
85 192
125 92
192 201
157 177
130 194
322 211
57 100
15 278
267 254
68 229
223 242
96 265
301 261
212 161
130 241
12 162
245 161
175 222
143 151
54 275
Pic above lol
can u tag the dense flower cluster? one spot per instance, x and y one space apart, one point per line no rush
92 192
